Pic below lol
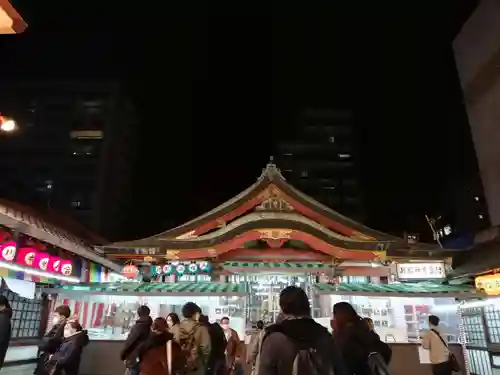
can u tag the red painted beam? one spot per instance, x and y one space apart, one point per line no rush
274 255
250 204
245 207
253 235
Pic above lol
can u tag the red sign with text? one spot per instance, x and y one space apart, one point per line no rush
8 251
66 267
26 256
54 264
41 261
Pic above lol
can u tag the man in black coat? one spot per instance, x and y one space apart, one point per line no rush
138 334
5 328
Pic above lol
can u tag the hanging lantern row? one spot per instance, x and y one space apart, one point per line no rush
182 268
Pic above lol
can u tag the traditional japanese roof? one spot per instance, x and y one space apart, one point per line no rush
50 228
399 290
273 210
10 20
160 289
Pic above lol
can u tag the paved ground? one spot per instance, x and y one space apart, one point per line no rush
18 370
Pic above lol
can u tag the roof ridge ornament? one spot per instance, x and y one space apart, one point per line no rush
271 171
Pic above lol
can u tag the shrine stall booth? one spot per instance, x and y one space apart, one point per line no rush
39 256
400 315
109 311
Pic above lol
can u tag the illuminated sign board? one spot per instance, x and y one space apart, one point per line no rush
489 283
421 271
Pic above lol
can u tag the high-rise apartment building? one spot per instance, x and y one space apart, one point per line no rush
320 159
72 151
477 56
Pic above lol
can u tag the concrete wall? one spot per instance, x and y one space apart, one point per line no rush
103 358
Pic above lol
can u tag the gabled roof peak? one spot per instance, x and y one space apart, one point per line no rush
271 171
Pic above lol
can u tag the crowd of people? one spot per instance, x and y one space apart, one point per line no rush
294 345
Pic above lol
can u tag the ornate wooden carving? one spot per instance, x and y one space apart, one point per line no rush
273 201
275 234
172 254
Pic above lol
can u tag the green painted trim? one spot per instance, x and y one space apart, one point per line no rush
392 288
178 287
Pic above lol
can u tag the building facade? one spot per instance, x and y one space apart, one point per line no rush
72 151
321 159
477 55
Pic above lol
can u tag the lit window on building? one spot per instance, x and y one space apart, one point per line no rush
329 187
288 154
86 134
331 139
344 156
76 203
303 174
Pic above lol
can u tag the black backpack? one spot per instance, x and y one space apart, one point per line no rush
309 359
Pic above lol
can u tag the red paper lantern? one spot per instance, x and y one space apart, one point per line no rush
130 271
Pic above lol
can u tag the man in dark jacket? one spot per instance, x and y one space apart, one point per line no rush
5 327
296 332
53 339
138 334
217 360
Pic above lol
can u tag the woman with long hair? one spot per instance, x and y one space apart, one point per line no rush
159 354
173 322
356 341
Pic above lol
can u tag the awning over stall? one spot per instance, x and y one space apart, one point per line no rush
399 290
159 289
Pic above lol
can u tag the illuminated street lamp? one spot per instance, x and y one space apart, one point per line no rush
7 124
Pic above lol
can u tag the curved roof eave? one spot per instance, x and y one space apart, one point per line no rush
11 21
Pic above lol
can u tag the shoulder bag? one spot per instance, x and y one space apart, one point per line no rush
452 360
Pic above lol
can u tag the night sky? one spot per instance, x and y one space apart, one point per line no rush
216 86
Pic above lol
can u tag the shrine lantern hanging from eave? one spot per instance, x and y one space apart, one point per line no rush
130 271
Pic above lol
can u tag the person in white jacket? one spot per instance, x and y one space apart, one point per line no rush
434 341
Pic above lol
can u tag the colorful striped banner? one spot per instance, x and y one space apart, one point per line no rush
18 275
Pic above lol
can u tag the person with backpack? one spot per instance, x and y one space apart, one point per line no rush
361 350
138 334
160 354
442 360
194 340
297 345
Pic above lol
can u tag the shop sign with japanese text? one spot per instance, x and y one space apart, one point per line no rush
421 271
